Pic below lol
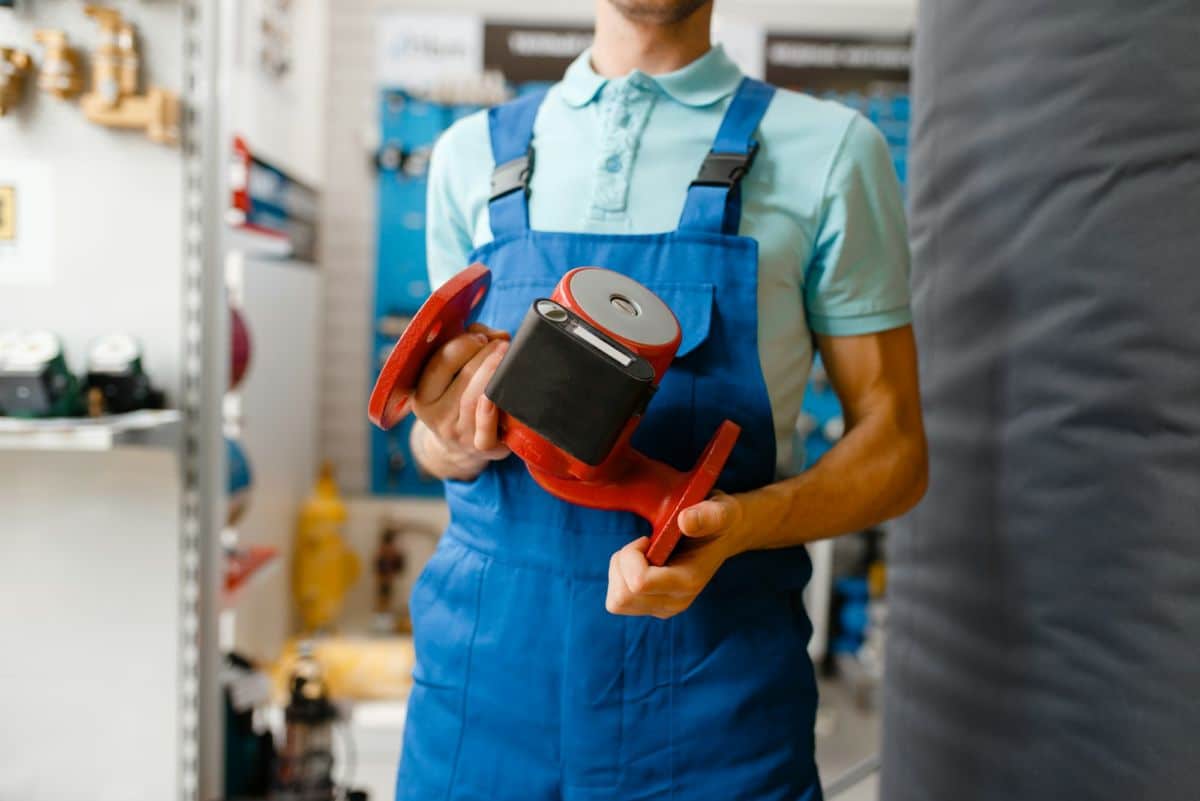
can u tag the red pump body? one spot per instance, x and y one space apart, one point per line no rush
625 479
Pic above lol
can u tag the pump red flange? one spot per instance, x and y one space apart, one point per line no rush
441 318
650 489
571 391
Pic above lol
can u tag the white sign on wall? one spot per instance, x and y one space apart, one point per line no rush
26 224
418 51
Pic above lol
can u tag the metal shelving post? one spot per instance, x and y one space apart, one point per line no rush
205 376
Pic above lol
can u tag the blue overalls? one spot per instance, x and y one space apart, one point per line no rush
525 687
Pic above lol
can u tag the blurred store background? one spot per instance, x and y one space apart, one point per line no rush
211 233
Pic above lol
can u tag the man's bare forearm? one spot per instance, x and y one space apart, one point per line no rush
440 461
876 472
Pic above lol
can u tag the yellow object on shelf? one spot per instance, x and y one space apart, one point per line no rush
354 668
877 579
323 566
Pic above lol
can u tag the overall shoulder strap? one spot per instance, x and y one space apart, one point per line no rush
714 199
511 128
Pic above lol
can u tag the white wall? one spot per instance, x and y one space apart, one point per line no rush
282 118
347 250
824 15
114 209
278 398
89 610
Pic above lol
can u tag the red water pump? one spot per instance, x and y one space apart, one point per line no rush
571 390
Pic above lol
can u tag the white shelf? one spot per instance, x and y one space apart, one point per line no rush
259 243
144 429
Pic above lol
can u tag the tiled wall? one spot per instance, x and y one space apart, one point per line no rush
348 240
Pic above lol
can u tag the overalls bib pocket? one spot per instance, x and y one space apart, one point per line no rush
668 431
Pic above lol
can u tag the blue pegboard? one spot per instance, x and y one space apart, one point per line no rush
409 127
891 114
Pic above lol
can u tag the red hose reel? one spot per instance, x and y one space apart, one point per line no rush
571 391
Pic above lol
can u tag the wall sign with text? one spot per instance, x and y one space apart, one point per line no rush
416 51
533 53
8 213
835 64
26 223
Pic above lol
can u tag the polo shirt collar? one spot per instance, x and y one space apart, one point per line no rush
706 80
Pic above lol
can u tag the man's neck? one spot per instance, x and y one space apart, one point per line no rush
623 45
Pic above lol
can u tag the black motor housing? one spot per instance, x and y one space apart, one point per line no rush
570 382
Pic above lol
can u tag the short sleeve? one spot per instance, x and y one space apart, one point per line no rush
857 281
457 166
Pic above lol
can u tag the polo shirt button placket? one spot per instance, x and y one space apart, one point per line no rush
623 112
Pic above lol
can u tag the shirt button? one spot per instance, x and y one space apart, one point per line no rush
623 120
613 164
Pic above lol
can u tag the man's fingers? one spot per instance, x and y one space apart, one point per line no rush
649 582
439 373
473 380
708 517
618 593
487 424
674 580
490 333
631 561
624 600
477 413
620 599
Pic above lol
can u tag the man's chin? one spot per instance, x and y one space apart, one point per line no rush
658 12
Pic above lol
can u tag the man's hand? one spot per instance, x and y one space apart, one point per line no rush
877 471
714 530
459 434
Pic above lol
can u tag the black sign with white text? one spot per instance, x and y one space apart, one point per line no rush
842 65
533 52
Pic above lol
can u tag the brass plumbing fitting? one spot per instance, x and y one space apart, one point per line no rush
61 73
13 66
114 100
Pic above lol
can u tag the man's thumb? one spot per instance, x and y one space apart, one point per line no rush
705 518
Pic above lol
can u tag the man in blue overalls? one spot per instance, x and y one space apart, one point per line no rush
552 661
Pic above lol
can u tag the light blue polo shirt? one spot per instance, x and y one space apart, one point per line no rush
617 155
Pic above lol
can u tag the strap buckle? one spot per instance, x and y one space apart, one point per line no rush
512 176
725 169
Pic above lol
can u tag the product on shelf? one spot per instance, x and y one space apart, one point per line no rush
242 564
114 100
250 758
389 566
356 668
271 205
323 564
305 767
240 347
34 379
14 64
116 381
391 562
61 73
240 480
